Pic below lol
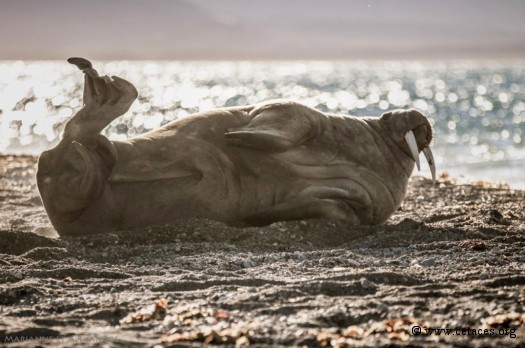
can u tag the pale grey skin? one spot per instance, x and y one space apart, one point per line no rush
245 166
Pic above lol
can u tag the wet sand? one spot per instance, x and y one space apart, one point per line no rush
453 257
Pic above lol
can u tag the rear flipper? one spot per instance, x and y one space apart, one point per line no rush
277 127
74 173
105 99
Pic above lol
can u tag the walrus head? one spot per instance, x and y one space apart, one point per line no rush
412 132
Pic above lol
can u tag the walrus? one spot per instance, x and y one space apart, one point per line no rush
245 166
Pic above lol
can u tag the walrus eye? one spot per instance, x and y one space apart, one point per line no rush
412 145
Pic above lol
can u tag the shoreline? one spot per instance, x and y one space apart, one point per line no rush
451 257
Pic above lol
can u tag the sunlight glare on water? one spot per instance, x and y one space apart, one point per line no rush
477 109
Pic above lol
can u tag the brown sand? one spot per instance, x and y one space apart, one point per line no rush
452 257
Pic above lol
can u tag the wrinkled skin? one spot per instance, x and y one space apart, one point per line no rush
245 166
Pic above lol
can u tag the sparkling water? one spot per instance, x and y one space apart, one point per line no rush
477 108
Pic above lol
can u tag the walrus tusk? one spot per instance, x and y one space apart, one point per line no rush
412 145
431 163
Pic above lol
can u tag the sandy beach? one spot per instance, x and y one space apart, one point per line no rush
451 258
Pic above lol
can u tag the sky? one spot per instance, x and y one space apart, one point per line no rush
262 30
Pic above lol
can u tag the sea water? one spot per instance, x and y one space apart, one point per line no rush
477 108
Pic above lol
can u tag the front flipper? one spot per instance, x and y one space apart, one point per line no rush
277 127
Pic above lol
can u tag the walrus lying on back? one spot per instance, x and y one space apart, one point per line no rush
246 166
